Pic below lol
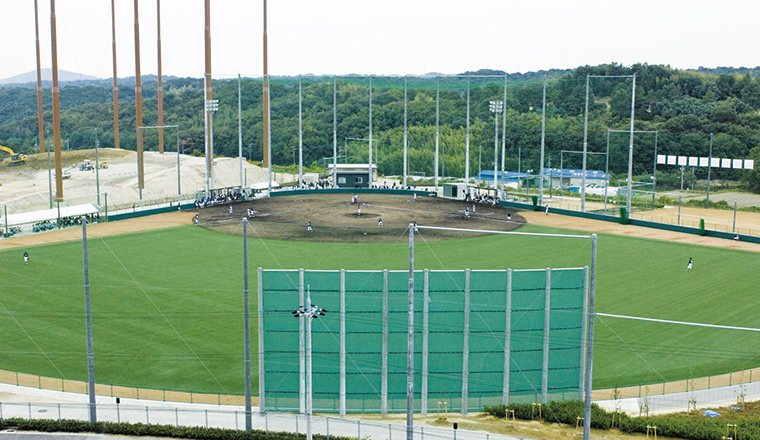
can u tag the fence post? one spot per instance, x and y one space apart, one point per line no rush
358 430
30 411
59 413
206 411
327 420
236 421
176 418
266 423
118 415
1 410
147 416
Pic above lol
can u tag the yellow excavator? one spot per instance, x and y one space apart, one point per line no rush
16 158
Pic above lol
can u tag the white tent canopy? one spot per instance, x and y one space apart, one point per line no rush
49 214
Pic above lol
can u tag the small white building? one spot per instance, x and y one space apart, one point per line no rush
458 190
353 175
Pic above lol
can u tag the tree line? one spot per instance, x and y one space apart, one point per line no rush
683 107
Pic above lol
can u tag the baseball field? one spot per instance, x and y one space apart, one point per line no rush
167 295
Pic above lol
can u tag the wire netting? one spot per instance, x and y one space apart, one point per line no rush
463 322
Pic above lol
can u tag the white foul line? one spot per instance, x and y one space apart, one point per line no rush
666 321
486 231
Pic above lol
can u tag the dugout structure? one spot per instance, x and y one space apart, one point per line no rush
482 337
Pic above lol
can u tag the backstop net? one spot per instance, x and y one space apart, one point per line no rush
482 337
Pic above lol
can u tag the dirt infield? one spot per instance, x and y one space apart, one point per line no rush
335 219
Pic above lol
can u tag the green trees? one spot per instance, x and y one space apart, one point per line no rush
684 107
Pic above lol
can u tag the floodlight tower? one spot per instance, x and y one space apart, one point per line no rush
309 311
212 105
496 107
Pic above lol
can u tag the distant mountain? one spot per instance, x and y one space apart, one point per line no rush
47 75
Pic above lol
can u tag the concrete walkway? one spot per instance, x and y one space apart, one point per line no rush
31 403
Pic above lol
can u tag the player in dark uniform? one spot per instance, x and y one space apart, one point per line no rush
688 266
26 257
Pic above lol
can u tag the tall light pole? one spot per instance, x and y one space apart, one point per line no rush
496 107
212 105
309 311
504 134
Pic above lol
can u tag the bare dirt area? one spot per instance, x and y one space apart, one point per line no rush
335 219
26 187
531 429
599 226
160 221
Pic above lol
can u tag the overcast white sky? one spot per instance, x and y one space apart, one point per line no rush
384 37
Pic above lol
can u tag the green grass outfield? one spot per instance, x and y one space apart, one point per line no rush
168 305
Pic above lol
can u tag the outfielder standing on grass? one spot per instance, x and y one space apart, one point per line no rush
26 257
308 227
688 266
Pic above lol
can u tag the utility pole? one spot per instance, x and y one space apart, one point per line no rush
309 311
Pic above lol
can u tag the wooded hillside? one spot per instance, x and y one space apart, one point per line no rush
684 107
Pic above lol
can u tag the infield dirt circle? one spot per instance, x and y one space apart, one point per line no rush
334 218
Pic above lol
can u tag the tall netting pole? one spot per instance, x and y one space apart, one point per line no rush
630 147
247 335
410 347
585 149
335 133
590 343
88 317
406 132
437 129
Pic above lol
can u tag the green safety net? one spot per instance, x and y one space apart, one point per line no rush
366 317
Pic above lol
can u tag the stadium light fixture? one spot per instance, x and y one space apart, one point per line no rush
212 105
311 311
496 107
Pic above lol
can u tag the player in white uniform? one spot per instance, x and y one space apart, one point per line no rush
26 257
688 266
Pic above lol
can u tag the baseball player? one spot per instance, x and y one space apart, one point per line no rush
380 221
26 257
688 266
308 227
